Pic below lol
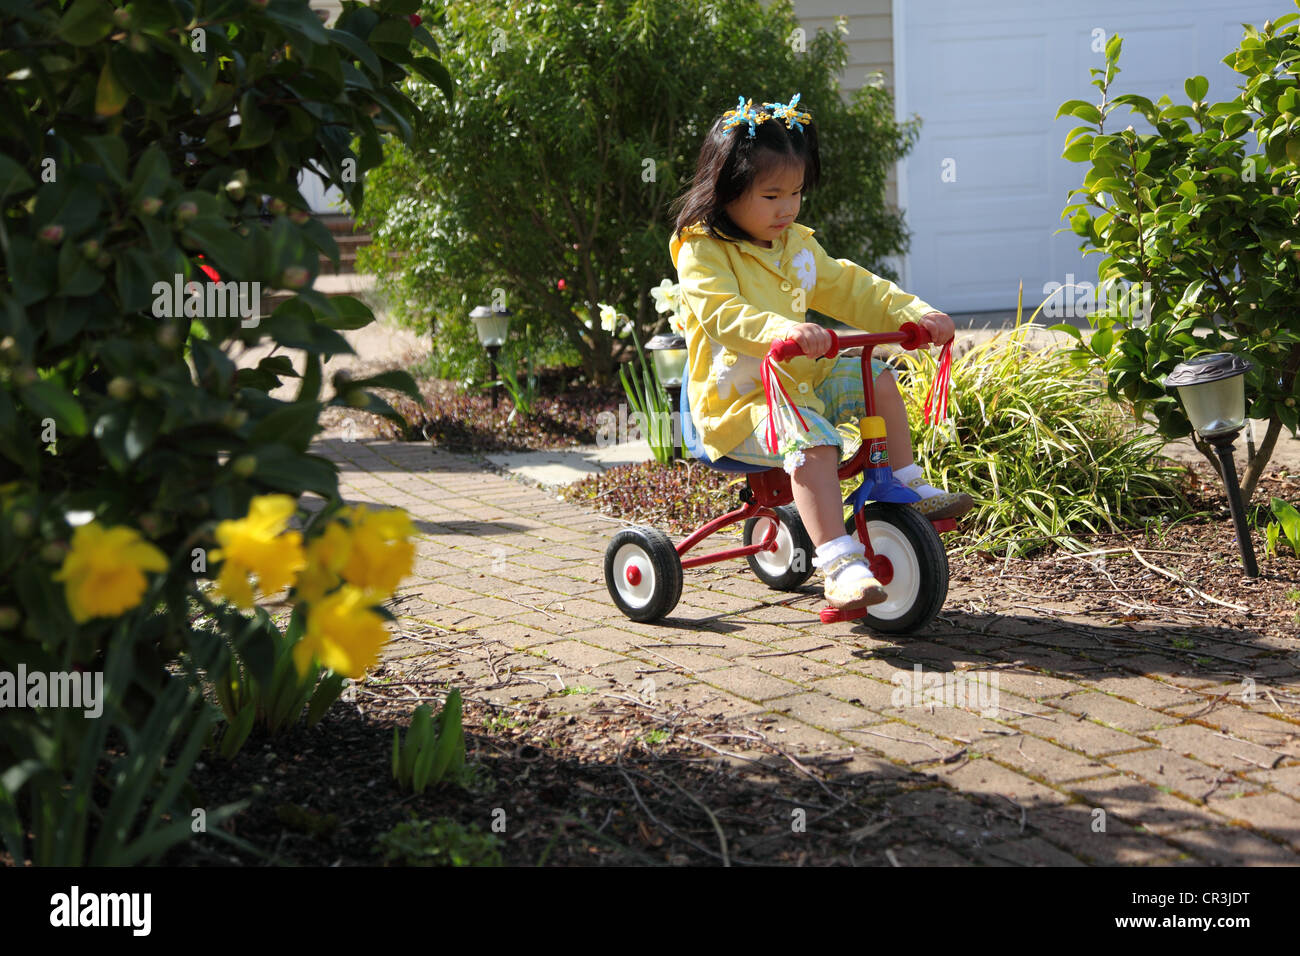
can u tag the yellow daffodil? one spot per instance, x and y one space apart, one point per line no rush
342 632
326 556
258 544
381 553
103 571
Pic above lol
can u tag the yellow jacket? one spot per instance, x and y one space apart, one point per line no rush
742 297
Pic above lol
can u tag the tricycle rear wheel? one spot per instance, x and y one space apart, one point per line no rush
790 565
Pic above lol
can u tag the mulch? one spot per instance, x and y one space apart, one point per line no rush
565 416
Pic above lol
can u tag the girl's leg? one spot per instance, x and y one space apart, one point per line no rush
898 434
816 490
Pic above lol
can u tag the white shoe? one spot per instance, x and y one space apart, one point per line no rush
850 583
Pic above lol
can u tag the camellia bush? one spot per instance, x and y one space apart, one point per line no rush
149 158
545 187
1202 218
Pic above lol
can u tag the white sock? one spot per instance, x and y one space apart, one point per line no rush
847 574
912 472
835 547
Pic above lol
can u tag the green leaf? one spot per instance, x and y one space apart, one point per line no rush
77 276
395 379
1081 108
111 153
1102 341
433 71
237 732
46 399
110 94
255 126
283 469
352 313
358 49
450 736
1079 151
225 247
326 693
1196 88
294 425
72 203
13 178
299 21
86 22
1289 518
140 76
392 40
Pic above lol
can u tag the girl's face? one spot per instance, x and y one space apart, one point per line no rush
770 204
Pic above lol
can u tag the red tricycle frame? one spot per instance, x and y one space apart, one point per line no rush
770 489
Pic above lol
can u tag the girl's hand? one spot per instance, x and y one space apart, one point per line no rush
939 326
812 338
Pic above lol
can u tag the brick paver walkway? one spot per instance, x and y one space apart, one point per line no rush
1089 730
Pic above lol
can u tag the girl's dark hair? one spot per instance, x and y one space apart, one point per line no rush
730 160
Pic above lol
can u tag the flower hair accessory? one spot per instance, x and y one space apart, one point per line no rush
746 112
790 113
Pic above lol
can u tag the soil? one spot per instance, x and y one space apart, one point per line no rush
466 421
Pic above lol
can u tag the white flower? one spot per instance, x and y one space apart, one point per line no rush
608 317
666 295
677 322
805 267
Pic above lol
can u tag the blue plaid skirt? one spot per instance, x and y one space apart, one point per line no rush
842 395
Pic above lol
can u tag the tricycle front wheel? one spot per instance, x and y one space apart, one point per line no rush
911 564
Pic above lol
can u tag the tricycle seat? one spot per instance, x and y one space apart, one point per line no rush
691 441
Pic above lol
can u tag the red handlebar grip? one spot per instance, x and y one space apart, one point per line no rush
834 350
918 337
783 349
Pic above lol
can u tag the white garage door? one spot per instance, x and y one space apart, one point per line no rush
984 188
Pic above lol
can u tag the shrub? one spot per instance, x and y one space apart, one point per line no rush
1208 226
1032 441
129 442
546 187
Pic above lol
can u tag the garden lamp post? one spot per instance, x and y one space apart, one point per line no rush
492 325
1213 392
668 352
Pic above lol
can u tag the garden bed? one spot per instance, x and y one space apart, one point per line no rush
466 421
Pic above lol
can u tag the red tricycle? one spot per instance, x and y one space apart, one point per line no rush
643 568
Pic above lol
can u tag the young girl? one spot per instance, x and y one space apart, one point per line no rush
748 273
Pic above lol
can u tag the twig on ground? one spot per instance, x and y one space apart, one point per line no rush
1183 582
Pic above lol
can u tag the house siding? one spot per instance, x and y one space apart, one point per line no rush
871 49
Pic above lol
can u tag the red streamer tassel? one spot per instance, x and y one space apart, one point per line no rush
936 399
768 373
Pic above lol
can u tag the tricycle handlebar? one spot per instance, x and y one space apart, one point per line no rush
909 336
